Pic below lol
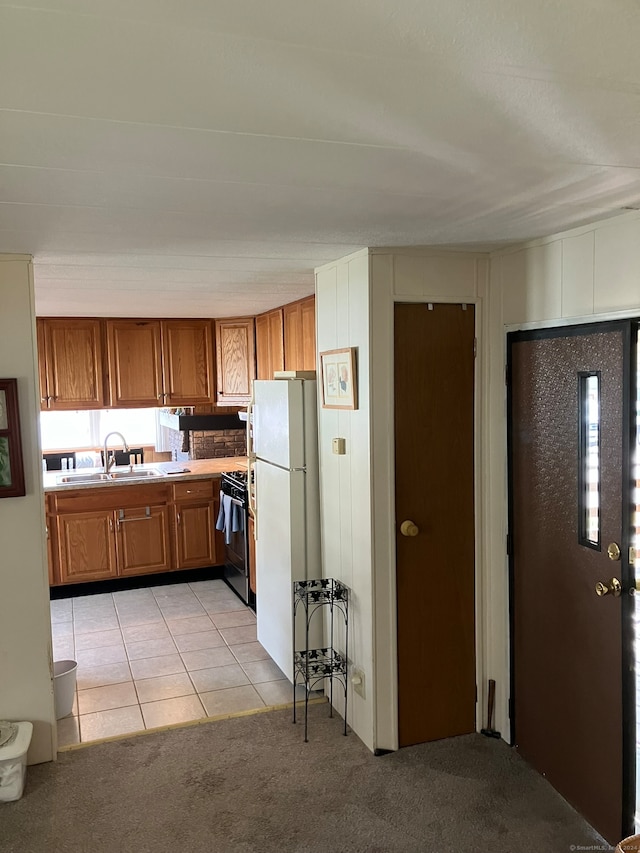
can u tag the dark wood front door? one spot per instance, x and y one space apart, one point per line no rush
569 500
434 384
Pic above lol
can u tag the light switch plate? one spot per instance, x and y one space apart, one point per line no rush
339 446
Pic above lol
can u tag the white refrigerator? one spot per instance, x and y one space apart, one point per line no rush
283 450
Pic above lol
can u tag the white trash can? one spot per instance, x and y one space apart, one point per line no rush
64 686
13 763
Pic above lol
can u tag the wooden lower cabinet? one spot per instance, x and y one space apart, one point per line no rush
87 546
143 545
98 534
195 514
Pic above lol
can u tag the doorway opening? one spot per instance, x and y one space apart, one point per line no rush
160 655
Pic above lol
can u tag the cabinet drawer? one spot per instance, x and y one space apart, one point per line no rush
193 489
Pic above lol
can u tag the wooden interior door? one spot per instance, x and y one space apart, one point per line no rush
434 393
569 499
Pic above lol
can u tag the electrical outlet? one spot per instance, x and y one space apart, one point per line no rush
357 679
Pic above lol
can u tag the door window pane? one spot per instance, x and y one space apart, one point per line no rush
589 463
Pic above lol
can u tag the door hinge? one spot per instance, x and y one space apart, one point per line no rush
508 544
475 347
507 375
632 555
510 708
476 694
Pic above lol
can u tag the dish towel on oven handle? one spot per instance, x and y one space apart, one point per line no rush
230 517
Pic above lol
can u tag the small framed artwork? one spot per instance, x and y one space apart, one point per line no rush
11 467
339 388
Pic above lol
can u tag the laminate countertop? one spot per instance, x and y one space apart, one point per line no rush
89 478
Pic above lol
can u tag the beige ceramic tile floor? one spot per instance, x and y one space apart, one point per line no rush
161 655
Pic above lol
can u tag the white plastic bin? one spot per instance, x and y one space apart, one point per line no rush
64 686
13 764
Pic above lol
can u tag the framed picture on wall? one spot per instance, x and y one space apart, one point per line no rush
11 467
339 385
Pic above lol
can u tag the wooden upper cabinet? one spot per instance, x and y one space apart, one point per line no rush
160 362
308 323
70 364
187 362
269 343
135 363
300 335
235 360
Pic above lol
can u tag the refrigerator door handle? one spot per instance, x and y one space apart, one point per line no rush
251 453
251 486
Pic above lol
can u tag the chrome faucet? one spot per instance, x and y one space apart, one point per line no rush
109 462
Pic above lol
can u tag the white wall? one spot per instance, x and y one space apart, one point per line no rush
25 629
342 318
354 303
589 273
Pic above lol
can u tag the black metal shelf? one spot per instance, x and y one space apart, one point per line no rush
311 666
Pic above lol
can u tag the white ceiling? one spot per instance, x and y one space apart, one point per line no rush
200 157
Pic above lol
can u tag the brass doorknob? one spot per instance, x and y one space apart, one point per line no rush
613 551
614 587
408 528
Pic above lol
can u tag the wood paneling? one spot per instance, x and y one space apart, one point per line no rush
235 360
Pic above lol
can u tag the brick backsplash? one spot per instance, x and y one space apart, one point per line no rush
209 444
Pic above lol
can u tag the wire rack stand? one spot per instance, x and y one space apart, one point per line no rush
311 666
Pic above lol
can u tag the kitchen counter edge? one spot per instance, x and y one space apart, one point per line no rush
199 469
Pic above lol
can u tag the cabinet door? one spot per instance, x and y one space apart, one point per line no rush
135 363
187 362
308 334
269 343
143 540
195 529
235 352
292 336
42 363
263 350
73 364
86 544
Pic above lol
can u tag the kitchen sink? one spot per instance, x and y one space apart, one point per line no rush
134 475
83 478
101 477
